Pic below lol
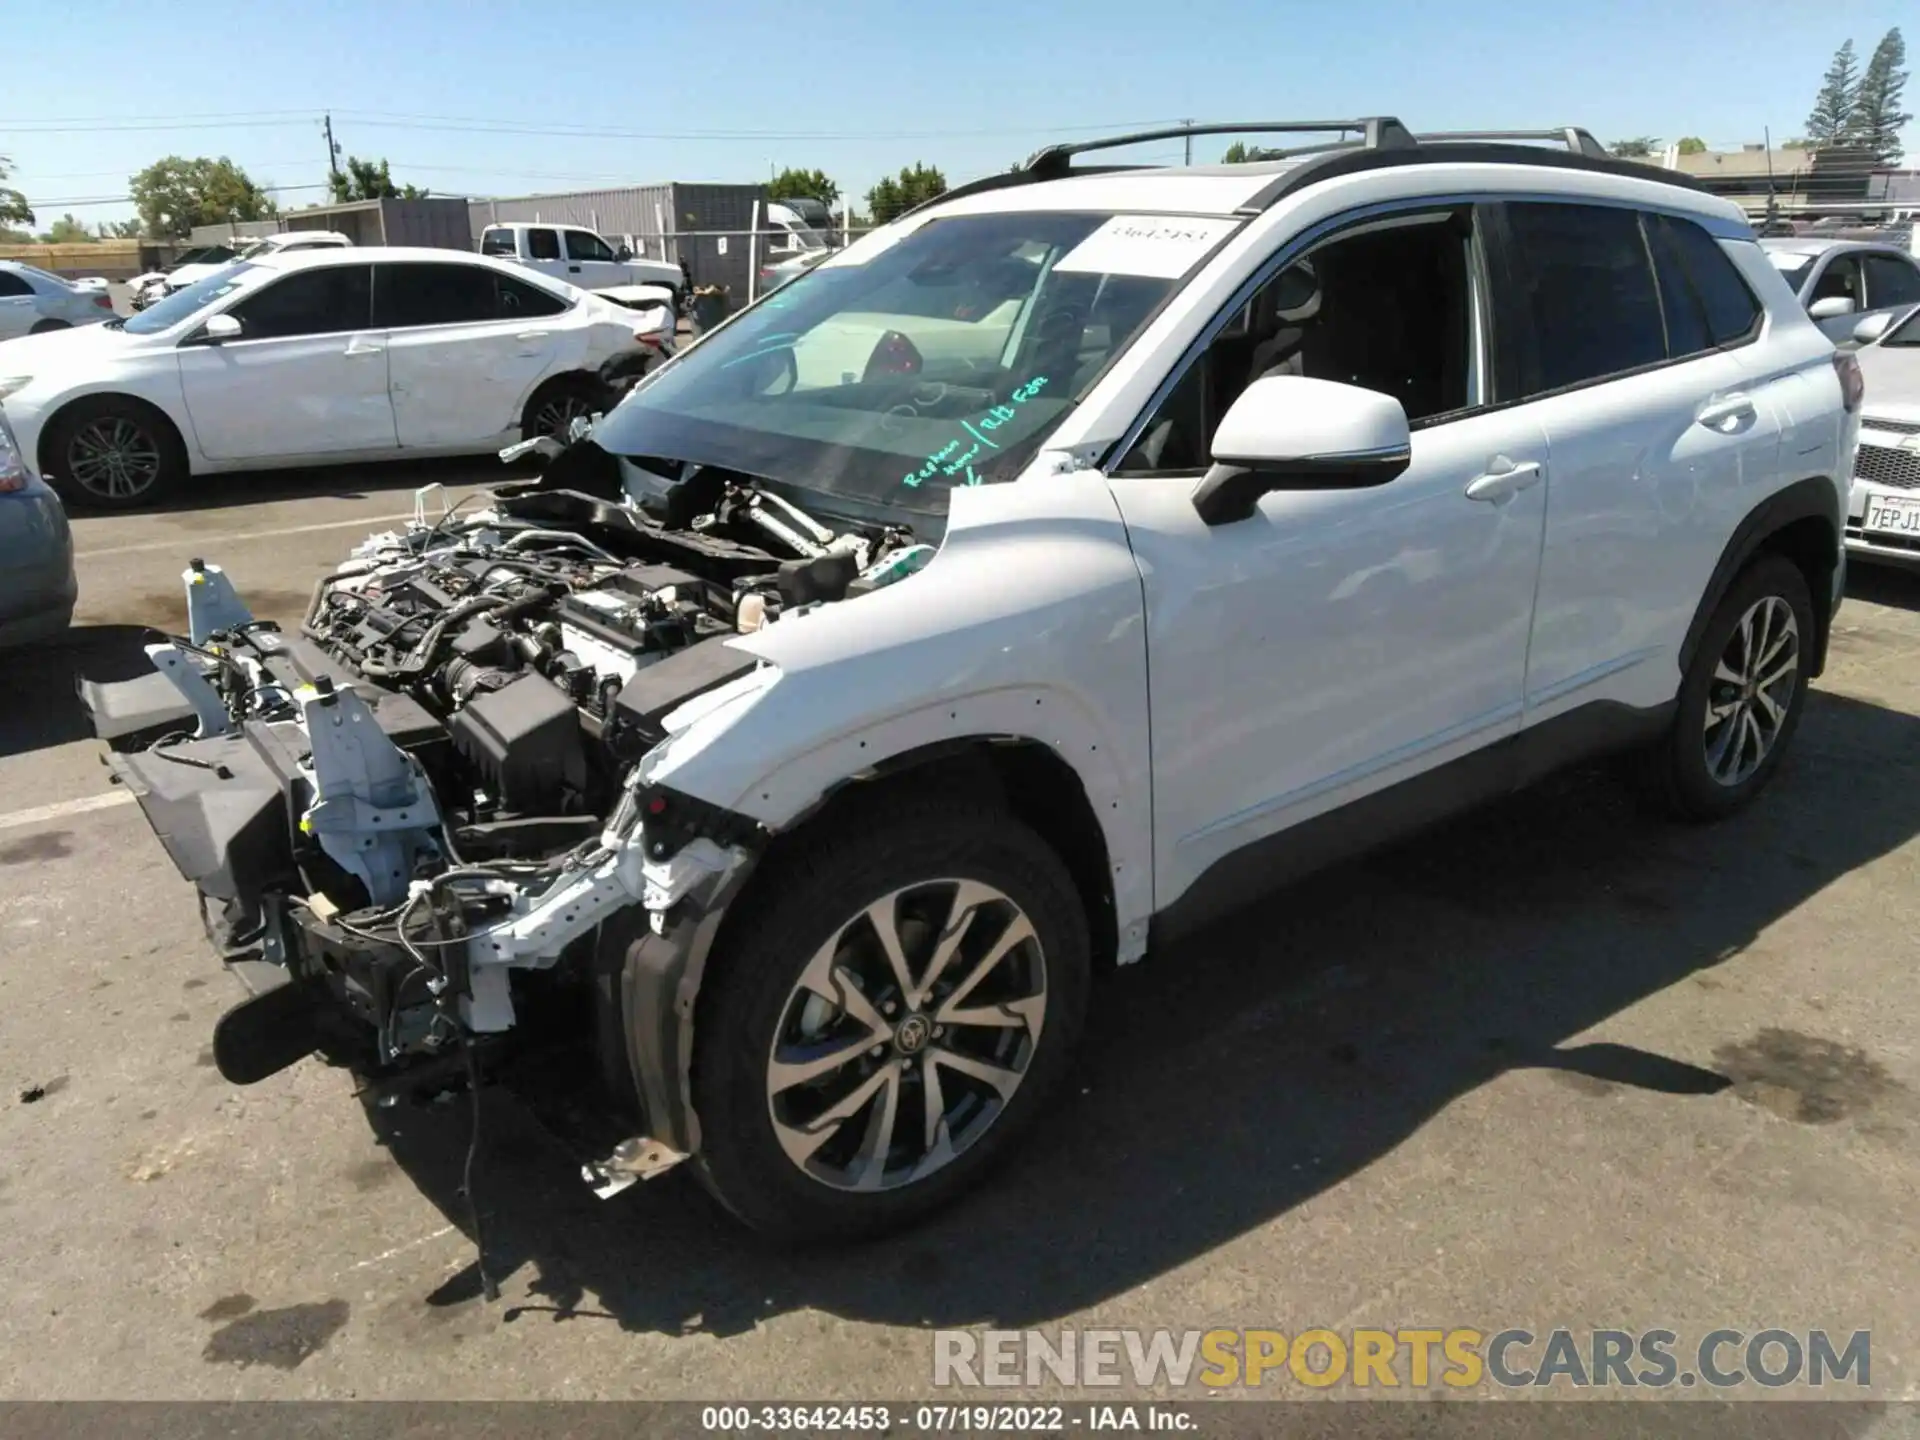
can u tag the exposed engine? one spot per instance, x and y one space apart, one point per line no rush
434 781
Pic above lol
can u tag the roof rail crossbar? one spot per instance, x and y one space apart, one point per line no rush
1376 132
1577 141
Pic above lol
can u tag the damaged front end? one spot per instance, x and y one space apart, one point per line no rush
421 826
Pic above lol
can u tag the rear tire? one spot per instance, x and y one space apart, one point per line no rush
47 327
112 452
1740 701
952 1066
551 408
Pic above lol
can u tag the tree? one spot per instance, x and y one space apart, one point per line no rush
793 184
1692 145
1640 147
1241 153
10 236
895 195
1875 122
119 229
366 180
14 209
1833 107
68 230
175 194
1799 142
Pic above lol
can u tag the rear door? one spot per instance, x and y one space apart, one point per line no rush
307 375
1661 436
467 346
542 251
18 312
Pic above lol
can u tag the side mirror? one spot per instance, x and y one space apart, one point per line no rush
1831 308
1287 432
1872 328
623 255
220 328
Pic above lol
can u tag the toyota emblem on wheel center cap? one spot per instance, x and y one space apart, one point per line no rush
913 1034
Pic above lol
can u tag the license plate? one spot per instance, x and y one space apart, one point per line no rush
1892 516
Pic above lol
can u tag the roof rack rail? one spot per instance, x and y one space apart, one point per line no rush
1376 132
1577 141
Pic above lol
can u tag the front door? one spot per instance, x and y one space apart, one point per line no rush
590 262
467 345
1335 642
307 374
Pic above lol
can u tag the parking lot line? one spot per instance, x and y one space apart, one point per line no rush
370 522
59 810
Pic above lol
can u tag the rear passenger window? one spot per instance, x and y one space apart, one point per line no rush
1732 314
518 301
1590 288
427 294
543 245
1891 281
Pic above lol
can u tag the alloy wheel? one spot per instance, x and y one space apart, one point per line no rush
555 416
1751 691
113 458
907 1035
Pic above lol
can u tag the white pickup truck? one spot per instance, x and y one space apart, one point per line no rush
578 256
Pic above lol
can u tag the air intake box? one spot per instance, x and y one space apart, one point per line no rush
525 739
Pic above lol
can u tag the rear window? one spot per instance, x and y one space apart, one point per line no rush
1591 291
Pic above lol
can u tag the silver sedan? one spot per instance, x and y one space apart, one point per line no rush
37 585
33 301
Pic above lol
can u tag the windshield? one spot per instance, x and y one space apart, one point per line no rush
189 298
1905 333
945 358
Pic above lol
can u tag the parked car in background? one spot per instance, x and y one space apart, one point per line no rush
295 359
287 242
1839 282
150 285
37 584
781 268
34 301
1883 511
578 256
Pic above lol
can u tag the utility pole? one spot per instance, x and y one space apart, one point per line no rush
1189 159
333 151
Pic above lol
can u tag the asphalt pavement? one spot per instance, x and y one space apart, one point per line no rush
1550 1064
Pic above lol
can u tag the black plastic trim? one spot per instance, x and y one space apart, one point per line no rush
1802 500
1232 488
1366 824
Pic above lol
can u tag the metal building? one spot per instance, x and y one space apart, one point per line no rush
706 226
439 221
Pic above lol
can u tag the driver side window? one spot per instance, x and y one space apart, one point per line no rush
1385 306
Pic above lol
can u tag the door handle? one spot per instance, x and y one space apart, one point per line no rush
533 335
1502 484
573 269
1724 410
359 347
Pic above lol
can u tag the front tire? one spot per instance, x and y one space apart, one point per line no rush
47 327
113 453
893 1012
1741 700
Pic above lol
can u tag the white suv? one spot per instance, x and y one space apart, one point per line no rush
1079 555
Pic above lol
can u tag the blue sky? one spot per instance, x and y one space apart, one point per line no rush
722 89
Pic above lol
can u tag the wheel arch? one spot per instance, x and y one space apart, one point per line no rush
50 427
1802 523
582 380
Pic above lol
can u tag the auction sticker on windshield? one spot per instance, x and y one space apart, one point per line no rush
1162 246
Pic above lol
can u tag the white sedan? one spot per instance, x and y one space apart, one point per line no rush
310 358
34 301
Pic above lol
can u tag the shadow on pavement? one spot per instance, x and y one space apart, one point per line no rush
1232 1078
1891 585
342 482
43 706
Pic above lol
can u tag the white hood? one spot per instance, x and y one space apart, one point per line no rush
1892 377
39 354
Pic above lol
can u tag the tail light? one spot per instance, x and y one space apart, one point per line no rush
13 465
103 300
1853 386
894 355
